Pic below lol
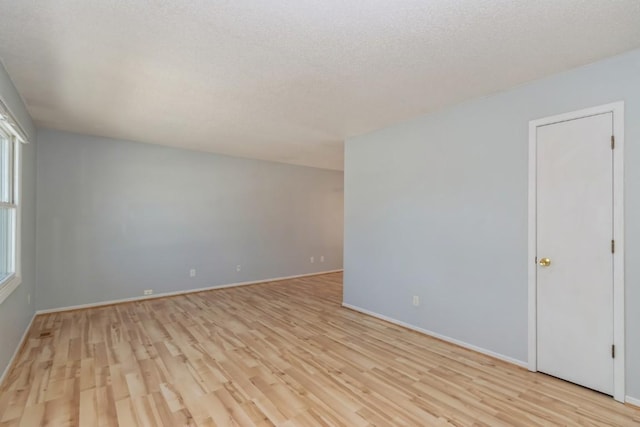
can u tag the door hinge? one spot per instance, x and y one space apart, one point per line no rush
613 351
613 246
613 142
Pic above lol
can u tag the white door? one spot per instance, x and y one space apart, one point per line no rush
574 233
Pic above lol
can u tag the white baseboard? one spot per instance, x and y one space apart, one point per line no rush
188 291
15 353
439 336
632 401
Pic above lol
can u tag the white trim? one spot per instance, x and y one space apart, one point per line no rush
188 291
617 108
17 199
11 122
438 336
25 334
532 270
7 287
633 401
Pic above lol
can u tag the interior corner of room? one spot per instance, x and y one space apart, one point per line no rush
437 209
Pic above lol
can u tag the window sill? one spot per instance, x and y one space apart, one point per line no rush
8 286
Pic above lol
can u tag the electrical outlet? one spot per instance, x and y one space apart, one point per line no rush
312 260
192 272
148 291
321 258
238 267
416 300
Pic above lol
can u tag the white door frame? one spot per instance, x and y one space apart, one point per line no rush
617 108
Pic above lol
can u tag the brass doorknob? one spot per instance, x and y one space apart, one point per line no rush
544 262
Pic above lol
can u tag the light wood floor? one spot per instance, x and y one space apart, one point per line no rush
282 353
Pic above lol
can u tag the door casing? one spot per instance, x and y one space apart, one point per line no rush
617 108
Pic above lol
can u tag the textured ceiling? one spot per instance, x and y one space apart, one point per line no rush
286 80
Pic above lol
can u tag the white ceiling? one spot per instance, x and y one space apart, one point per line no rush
286 80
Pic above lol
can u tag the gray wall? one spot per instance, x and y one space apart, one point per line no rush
15 312
437 207
118 217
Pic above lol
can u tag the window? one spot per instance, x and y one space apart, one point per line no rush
9 211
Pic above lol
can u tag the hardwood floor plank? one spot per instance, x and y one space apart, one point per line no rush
275 354
125 413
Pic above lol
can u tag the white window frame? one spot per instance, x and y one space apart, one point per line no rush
11 283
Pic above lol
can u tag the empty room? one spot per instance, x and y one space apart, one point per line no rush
319 213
